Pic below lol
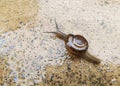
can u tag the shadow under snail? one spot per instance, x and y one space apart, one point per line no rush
76 45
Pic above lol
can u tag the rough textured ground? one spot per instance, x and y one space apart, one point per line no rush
29 56
14 13
78 72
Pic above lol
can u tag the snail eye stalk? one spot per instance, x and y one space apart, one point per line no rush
58 33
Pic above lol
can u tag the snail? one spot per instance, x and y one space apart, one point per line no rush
76 45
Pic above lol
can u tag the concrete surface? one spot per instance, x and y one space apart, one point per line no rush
28 53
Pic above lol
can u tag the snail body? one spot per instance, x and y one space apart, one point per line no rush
76 45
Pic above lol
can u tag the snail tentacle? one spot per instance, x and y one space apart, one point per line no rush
60 35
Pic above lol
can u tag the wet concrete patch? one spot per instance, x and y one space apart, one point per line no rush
4 70
78 72
75 71
14 14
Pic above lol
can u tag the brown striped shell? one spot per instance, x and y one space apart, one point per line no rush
76 44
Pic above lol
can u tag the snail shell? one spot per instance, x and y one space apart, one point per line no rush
76 44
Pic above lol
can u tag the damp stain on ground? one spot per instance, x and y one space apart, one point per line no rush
4 70
73 72
78 72
14 14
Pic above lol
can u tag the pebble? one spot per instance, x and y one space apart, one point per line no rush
113 80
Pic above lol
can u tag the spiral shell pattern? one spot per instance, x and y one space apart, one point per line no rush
76 44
